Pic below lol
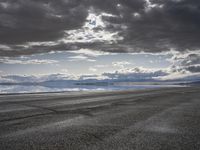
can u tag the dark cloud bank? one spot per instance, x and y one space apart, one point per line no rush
152 26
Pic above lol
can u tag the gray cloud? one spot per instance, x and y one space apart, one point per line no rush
191 59
191 63
165 25
30 21
137 74
27 61
188 62
193 69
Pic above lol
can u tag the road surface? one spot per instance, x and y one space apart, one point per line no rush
158 119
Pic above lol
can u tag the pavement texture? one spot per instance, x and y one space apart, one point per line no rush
161 119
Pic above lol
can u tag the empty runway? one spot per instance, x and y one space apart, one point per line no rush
139 120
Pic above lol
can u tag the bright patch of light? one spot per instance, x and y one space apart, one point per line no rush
150 5
41 43
80 58
5 47
91 53
4 4
25 61
94 30
136 14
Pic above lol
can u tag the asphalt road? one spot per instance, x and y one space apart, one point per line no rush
164 119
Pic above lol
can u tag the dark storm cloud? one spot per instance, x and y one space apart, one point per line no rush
19 50
162 25
154 26
187 62
191 59
193 69
38 20
116 7
191 63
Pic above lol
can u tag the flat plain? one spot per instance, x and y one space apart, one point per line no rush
166 118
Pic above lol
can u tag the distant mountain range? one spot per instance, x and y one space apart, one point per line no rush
60 81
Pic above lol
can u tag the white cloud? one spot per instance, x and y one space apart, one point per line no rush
101 66
91 53
179 76
91 60
41 43
138 70
92 69
92 76
150 5
80 58
25 61
5 47
136 15
120 64
96 67
88 34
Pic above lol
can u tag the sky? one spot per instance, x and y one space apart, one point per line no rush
100 38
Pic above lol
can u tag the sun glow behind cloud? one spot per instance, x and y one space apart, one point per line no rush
92 32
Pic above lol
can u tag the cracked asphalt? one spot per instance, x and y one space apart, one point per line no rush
160 119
